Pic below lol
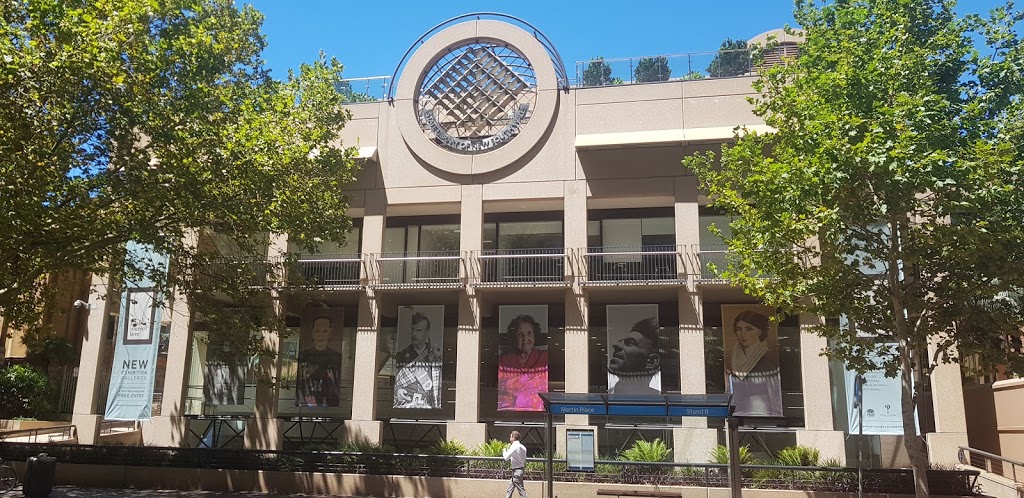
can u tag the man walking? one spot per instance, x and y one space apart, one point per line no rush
515 453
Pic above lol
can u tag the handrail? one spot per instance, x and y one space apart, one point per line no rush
989 455
990 459
34 433
416 258
329 260
538 255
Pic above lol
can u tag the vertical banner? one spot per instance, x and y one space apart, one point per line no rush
523 360
751 342
634 351
418 363
133 372
881 397
318 378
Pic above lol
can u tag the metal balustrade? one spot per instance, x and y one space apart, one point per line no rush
712 259
419 268
633 263
519 266
995 464
326 270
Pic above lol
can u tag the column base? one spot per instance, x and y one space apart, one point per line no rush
471 434
693 445
944 446
87 427
830 444
263 433
165 431
560 430
363 431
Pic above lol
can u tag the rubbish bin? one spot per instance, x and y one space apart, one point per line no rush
39 473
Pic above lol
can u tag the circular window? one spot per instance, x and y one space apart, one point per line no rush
476 98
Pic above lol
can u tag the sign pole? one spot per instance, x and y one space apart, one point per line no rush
551 473
733 440
859 391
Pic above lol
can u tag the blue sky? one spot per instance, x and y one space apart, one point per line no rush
369 37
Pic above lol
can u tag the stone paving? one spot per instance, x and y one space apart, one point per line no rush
76 492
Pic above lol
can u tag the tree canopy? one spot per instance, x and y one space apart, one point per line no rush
149 121
732 59
597 73
891 192
652 69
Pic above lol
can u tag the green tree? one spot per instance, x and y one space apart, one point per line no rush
652 69
891 193
145 121
597 73
733 59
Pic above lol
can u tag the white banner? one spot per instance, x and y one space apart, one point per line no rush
881 398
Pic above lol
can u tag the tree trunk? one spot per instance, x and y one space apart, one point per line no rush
916 447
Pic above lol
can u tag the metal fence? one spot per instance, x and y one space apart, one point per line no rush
419 268
951 482
522 265
632 263
326 270
690 66
39 435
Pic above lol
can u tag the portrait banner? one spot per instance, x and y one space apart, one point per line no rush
318 373
223 382
751 347
418 363
634 349
137 341
881 397
523 357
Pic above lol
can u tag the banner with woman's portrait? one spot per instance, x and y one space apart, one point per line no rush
523 357
634 349
418 362
318 373
751 346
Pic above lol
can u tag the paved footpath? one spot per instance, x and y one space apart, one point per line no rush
76 492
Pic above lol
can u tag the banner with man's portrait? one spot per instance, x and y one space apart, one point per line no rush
418 360
523 357
318 372
751 347
634 349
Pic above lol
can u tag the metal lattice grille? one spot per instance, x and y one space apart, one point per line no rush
475 92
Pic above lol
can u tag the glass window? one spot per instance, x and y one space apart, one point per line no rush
301 340
218 384
350 247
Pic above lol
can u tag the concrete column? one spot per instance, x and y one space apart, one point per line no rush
687 225
814 371
577 345
171 426
90 365
363 425
950 415
467 427
263 428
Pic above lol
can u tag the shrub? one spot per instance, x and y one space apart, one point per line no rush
646 451
24 393
448 447
798 456
492 448
720 455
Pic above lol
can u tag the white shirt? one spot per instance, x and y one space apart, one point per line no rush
515 453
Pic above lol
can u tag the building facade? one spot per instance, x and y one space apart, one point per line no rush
514 233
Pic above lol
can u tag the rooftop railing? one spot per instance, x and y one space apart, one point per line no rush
650 69
359 90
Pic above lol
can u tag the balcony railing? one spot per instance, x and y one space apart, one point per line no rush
633 263
713 259
327 270
241 273
419 268
359 90
522 266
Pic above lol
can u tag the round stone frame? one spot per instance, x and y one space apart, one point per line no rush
433 50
